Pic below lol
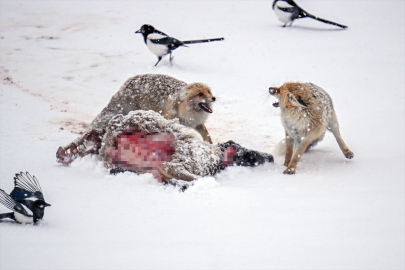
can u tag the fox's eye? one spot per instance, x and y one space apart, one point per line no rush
200 95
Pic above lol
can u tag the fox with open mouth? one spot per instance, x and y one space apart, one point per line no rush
306 113
172 98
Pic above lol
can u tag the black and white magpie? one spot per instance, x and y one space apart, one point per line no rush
287 11
161 44
26 200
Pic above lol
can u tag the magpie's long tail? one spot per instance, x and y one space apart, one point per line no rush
324 21
7 215
202 40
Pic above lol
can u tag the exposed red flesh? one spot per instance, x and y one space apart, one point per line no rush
141 151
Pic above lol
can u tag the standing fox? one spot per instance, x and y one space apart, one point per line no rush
306 112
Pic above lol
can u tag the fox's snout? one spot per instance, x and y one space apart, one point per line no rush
273 90
207 96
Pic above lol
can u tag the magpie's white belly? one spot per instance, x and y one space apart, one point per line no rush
157 49
282 15
23 219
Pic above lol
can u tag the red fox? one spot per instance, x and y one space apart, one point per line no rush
172 98
306 112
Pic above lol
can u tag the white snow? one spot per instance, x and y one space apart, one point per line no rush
60 63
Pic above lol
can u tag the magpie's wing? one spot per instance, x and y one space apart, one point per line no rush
288 9
295 11
20 195
27 182
170 42
26 186
167 41
289 2
6 200
292 3
11 204
156 36
160 32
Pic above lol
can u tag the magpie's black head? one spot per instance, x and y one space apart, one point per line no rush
39 209
145 30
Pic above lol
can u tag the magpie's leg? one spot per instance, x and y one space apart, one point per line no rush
159 58
171 58
285 25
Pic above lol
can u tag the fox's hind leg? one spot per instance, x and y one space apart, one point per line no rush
334 128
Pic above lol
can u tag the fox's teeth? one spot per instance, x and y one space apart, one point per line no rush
205 107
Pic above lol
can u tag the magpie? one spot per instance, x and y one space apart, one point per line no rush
287 11
26 200
161 44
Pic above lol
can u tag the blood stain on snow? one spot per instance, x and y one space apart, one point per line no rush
73 126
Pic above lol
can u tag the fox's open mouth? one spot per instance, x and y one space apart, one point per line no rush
276 104
205 107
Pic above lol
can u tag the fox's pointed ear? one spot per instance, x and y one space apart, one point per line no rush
300 101
184 94
297 101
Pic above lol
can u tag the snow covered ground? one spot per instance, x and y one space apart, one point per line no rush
61 61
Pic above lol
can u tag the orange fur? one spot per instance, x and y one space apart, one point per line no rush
190 103
306 112
187 109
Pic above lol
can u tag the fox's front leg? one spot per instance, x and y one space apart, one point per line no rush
288 150
299 149
204 133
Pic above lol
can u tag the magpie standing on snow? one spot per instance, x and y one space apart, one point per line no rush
26 200
287 11
161 44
